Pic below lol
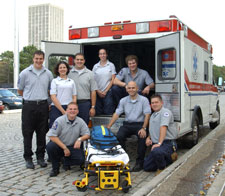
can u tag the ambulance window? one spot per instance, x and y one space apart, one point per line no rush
167 64
206 71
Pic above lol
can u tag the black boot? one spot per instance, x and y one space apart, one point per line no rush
54 172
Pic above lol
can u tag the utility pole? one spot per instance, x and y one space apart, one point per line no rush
16 45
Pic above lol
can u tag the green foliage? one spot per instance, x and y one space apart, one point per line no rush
218 72
7 59
26 56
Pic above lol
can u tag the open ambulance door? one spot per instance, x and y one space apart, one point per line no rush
59 49
167 72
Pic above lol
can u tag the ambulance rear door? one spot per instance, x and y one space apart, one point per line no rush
64 49
167 72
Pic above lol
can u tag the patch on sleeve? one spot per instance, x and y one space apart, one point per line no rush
166 114
121 73
55 125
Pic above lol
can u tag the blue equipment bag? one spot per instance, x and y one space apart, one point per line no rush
102 138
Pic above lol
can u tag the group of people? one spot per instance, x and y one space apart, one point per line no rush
79 94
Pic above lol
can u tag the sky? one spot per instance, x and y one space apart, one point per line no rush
205 17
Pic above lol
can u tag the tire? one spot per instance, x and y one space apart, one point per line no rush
213 125
82 189
6 107
125 187
191 139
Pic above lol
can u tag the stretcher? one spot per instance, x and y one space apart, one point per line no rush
110 168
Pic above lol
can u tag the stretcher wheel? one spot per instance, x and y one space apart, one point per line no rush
83 189
125 187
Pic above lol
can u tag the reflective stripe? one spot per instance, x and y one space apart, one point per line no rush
103 130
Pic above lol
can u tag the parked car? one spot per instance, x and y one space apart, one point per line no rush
10 100
1 106
14 90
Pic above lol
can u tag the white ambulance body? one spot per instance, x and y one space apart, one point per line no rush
179 61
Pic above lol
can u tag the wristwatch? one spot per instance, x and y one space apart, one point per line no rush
144 128
159 143
93 106
79 139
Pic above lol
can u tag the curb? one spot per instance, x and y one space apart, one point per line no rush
159 179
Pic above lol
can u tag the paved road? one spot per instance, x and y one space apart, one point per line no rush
15 179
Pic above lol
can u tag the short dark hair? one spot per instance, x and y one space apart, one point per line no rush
72 103
156 96
39 52
56 69
79 54
131 57
103 49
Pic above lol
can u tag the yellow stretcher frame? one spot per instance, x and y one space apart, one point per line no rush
110 174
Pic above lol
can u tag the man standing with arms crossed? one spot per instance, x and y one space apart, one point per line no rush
86 88
33 84
137 112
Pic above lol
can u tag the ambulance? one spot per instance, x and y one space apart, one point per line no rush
177 58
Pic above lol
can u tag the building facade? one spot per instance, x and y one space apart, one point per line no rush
46 22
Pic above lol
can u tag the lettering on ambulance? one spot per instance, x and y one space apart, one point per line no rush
168 64
195 73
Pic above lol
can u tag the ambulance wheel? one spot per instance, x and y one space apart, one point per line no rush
213 125
83 189
125 187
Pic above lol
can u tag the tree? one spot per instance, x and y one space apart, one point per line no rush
26 56
7 59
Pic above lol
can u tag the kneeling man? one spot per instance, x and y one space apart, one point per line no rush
66 135
137 112
162 137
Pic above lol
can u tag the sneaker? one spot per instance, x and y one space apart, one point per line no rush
54 172
138 167
42 162
29 164
174 156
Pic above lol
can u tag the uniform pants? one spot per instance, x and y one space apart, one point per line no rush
105 105
55 153
126 131
34 119
84 109
159 157
54 114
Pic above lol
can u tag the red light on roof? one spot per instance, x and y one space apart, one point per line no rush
107 23
164 26
127 21
118 22
74 34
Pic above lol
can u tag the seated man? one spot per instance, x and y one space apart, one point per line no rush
131 73
162 137
137 112
66 135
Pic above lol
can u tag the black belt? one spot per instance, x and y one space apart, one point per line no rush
37 102
83 100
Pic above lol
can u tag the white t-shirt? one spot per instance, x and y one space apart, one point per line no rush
63 89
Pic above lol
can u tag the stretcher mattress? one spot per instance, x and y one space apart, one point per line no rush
117 153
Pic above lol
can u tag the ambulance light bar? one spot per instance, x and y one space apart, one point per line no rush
142 27
164 26
93 32
74 34
117 28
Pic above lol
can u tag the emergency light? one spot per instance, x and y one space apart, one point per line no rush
93 32
142 27
164 26
74 34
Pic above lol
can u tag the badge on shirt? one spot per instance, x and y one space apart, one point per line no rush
55 125
166 114
121 73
